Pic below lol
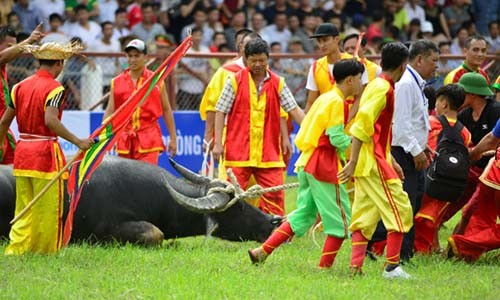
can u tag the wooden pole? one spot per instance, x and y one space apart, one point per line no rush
46 188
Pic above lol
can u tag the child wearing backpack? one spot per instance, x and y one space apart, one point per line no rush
447 174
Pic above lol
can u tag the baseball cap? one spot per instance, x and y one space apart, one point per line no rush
163 40
475 83
295 40
427 27
137 45
325 29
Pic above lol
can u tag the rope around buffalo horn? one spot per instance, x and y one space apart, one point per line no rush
255 191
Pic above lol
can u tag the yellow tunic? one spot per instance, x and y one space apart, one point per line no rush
327 111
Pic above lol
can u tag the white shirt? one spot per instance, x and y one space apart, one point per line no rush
88 36
415 13
107 9
108 64
273 34
55 37
410 129
117 33
311 82
48 7
188 83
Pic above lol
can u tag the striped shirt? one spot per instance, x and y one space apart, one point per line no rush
226 100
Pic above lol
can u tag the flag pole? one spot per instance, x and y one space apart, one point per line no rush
45 189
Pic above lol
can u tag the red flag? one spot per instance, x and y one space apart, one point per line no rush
358 44
105 135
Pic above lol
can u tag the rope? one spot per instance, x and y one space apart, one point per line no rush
255 191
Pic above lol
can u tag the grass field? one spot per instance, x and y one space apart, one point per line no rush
208 268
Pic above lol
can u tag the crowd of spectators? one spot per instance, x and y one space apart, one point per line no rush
106 25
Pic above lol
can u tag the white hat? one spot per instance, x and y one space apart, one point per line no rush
427 27
137 45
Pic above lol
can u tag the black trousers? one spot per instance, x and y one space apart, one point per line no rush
413 185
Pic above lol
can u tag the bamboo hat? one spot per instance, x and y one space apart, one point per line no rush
53 51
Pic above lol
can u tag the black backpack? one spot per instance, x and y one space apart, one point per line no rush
447 175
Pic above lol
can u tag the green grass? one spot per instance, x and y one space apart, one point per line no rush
209 268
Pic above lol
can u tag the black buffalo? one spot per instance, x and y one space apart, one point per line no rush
131 201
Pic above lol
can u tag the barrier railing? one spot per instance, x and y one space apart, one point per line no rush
87 77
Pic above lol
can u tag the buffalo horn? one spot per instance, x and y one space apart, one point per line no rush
184 187
206 204
188 174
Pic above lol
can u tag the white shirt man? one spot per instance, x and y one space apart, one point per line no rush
88 35
109 65
107 9
48 7
411 118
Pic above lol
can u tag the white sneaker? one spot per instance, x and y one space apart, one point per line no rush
398 272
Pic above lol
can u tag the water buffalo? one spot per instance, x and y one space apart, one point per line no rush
131 201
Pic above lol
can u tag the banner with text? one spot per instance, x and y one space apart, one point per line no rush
190 132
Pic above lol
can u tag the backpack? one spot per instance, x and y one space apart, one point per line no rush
446 177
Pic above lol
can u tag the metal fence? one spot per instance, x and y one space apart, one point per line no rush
86 78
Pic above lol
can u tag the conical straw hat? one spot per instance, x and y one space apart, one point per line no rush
52 51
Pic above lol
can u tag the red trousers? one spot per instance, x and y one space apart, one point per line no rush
427 222
467 199
482 234
271 203
151 157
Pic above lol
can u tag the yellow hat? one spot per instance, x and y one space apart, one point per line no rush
53 51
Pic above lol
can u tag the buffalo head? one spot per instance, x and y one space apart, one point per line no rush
234 220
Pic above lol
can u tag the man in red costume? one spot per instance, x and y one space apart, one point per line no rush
251 100
8 52
37 104
482 233
142 138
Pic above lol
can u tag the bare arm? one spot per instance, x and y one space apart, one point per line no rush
110 109
209 128
286 146
348 170
186 10
8 54
168 117
219 126
311 97
53 123
488 142
5 122
444 25
297 115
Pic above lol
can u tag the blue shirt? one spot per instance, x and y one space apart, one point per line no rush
29 17
496 130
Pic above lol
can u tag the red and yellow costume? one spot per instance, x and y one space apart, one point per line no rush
428 219
378 190
455 75
215 86
482 233
253 142
7 157
142 138
371 68
322 75
38 158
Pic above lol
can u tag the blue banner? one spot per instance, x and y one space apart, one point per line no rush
190 133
